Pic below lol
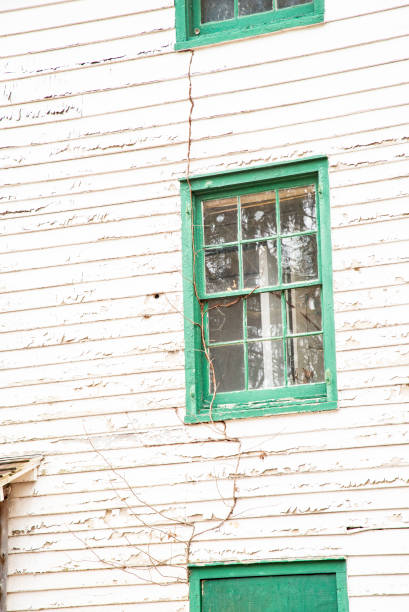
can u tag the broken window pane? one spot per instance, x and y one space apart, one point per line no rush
264 315
220 220
303 310
299 258
228 364
297 209
222 269
305 360
217 10
225 317
258 215
260 264
250 7
266 364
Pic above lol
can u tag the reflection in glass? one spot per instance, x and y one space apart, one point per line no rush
303 307
264 315
228 364
266 364
260 264
297 209
305 360
217 10
287 3
225 317
250 7
258 215
220 220
222 269
299 258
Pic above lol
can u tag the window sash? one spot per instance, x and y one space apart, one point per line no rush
304 397
190 32
246 21
200 247
226 396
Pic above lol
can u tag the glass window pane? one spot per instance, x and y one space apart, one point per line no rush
305 360
299 258
249 7
258 215
225 317
222 269
217 10
264 315
303 310
228 364
220 220
287 3
266 364
260 264
297 209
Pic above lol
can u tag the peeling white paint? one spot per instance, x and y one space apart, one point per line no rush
91 362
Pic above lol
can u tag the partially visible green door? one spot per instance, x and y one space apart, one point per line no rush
287 593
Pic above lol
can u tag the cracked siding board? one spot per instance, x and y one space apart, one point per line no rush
91 362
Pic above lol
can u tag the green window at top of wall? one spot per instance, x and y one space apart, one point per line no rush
259 327
204 22
298 586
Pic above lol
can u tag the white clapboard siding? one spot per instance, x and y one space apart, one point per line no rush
94 118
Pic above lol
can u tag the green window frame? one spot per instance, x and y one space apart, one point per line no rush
191 32
319 581
289 394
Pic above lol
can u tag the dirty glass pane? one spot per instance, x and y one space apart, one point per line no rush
217 10
303 310
264 315
220 220
225 317
222 269
266 364
260 264
287 3
299 258
258 215
249 7
305 360
228 363
297 209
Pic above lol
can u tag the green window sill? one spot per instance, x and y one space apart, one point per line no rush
191 32
245 32
226 412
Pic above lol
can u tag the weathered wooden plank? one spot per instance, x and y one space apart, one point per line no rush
90 292
65 14
255 529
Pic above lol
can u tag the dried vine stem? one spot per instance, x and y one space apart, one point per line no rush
202 333
199 301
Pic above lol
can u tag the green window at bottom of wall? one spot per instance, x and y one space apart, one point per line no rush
294 586
204 22
258 304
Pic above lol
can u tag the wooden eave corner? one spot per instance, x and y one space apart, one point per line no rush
14 469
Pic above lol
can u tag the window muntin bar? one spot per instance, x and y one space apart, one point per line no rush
270 330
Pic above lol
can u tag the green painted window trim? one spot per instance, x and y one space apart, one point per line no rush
268 568
191 33
243 404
